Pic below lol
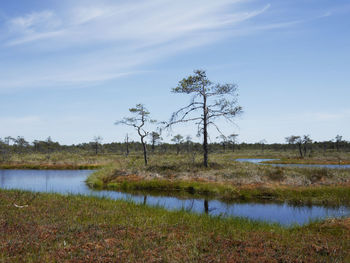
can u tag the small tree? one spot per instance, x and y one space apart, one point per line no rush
140 119
21 144
224 141
262 144
306 144
209 101
155 138
338 141
295 140
96 143
303 143
177 139
233 140
189 143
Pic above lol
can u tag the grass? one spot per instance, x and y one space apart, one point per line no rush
225 179
320 195
56 161
49 166
56 228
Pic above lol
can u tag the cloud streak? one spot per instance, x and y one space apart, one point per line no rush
89 43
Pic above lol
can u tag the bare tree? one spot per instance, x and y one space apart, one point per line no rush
210 100
141 118
295 140
155 139
262 143
338 141
189 143
8 139
224 141
303 143
306 144
177 139
20 144
233 140
96 143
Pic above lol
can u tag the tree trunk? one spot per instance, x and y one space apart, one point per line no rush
153 146
144 151
300 150
205 132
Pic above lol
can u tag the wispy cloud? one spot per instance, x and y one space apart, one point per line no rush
86 43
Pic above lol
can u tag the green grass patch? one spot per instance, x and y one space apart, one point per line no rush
57 228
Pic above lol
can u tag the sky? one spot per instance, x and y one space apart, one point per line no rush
71 69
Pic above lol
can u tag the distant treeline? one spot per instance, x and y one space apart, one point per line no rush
305 147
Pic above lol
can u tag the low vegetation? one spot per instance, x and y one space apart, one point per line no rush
56 228
225 179
57 161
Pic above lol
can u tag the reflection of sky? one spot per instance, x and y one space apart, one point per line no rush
73 182
331 166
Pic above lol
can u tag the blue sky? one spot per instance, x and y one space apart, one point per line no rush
70 69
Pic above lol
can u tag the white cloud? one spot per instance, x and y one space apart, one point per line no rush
34 22
92 42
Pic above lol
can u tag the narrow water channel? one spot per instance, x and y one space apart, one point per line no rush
73 182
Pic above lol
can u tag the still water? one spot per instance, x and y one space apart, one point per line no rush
72 182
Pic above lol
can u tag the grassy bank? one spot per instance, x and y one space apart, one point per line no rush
225 179
56 161
321 195
49 166
55 228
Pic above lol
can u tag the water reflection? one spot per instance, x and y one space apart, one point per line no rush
206 206
72 182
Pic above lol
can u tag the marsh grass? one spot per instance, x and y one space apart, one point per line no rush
57 161
225 179
56 228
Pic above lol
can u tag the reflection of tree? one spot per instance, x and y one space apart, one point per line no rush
145 200
206 206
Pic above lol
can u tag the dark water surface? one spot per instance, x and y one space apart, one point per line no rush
260 161
72 182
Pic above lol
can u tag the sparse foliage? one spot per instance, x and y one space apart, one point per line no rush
303 143
209 102
139 121
96 143
338 141
232 139
224 141
177 139
155 139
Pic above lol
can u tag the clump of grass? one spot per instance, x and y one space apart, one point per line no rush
276 174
